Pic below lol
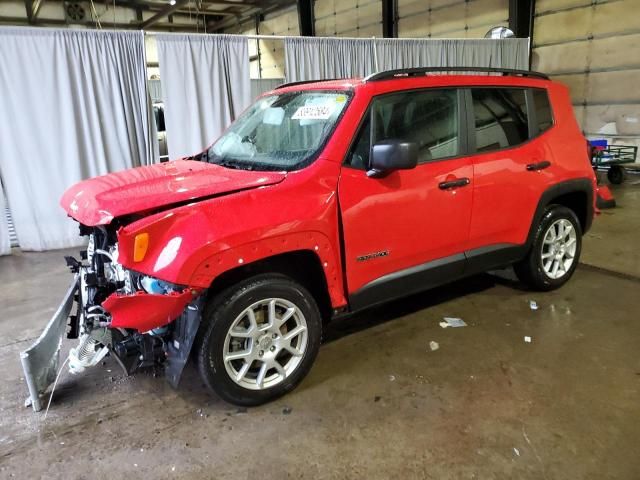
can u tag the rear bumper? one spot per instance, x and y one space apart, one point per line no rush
41 361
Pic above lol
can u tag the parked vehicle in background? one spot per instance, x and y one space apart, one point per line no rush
323 199
158 113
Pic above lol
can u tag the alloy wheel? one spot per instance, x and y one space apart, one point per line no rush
265 343
559 248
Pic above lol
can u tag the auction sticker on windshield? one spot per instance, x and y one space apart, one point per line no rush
313 112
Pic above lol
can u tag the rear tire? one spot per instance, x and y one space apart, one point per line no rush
555 250
258 340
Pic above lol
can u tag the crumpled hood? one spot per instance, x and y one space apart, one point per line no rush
99 200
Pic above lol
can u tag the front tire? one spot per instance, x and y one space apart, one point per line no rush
555 251
259 339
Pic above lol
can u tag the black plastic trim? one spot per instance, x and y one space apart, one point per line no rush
584 185
492 257
304 82
408 281
412 72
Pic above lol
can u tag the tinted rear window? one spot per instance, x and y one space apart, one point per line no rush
500 118
543 109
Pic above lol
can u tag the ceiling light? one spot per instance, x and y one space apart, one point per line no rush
172 2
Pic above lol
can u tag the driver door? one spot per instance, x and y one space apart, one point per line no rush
407 230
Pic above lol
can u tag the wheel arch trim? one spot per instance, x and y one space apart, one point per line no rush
577 185
250 253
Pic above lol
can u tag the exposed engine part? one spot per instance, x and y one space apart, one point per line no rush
96 317
101 275
73 264
138 350
74 320
88 353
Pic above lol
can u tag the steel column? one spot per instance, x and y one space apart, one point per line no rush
306 18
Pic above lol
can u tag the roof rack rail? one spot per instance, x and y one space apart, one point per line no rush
413 72
302 82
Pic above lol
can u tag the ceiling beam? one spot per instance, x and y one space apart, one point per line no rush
36 9
228 3
54 22
390 18
28 6
306 18
521 17
163 13
265 7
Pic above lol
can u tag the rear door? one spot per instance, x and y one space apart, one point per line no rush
510 166
407 231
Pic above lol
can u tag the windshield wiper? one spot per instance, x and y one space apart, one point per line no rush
228 164
234 165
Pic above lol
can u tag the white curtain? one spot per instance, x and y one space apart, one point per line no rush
205 86
496 53
5 242
73 105
325 58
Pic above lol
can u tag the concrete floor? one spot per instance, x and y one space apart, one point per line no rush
379 403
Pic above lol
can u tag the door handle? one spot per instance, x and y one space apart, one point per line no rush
459 182
532 167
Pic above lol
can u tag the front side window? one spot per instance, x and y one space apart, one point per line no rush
500 118
279 132
428 118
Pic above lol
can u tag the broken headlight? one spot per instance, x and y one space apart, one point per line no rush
156 286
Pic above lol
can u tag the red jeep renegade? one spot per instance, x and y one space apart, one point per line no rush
320 200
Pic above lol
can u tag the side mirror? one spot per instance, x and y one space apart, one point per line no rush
390 155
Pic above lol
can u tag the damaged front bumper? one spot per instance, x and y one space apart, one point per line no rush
41 361
139 329
143 311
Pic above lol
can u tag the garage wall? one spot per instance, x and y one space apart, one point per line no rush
450 18
270 65
348 18
594 48
283 22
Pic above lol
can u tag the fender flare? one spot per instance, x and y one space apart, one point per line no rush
215 265
582 185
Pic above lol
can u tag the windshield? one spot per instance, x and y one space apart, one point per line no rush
279 132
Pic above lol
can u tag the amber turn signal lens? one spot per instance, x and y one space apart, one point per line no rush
140 247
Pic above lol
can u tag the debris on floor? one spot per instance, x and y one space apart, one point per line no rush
533 305
392 378
452 322
286 410
527 339
516 451
433 346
